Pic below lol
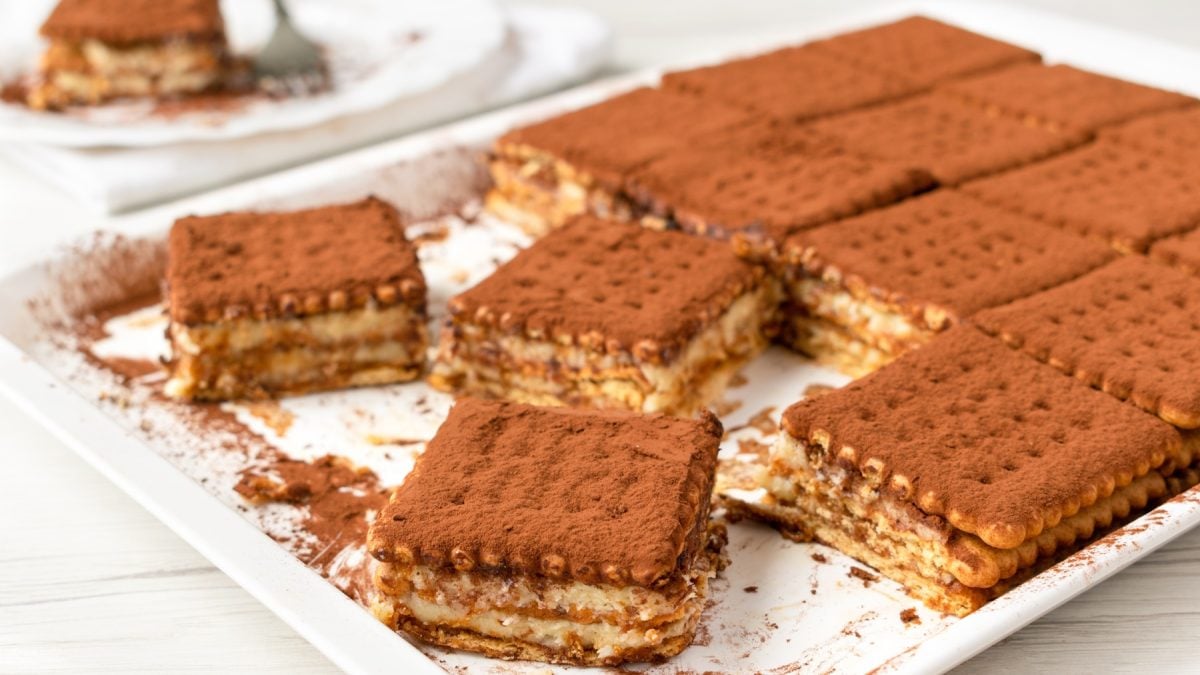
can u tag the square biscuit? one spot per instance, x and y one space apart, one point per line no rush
924 50
1131 328
1062 97
762 182
793 84
125 22
952 139
1105 190
1173 133
999 445
1182 251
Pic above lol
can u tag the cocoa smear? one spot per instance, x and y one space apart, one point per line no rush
862 575
909 616
15 91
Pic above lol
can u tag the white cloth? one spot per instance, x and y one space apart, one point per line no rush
547 48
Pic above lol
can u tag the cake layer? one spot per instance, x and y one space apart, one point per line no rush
831 344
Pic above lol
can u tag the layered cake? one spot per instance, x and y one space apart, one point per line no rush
551 534
264 304
1107 190
952 139
107 49
963 468
759 183
864 290
1131 328
1064 98
576 163
924 51
609 315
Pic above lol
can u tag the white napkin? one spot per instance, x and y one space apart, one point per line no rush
547 48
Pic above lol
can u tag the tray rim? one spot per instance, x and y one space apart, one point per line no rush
350 637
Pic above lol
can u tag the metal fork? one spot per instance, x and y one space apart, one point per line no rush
287 53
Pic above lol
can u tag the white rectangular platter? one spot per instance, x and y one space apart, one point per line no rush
781 607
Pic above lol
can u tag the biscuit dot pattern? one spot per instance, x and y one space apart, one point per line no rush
1175 133
998 444
1130 328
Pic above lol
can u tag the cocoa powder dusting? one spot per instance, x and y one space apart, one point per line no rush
909 617
862 575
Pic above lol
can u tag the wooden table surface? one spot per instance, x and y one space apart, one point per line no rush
89 582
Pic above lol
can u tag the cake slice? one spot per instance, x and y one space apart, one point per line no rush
1106 190
1130 328
952 139
924 50
1064 98
107 49
860 292
265 304
550 534
576 163
609 315
759 183
963 468
792 84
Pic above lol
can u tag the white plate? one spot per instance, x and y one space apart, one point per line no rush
378 50
804 615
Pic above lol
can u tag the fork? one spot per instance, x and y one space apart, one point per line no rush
288 53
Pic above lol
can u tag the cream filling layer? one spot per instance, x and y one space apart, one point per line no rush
368 323
872 321
92 70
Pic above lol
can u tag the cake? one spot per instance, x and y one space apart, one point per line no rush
551 534
608 314
266 304
109 49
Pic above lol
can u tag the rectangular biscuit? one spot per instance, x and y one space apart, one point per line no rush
792 84
963 468
575 163
924 50
952 139
1060 97
264 304
551 534
862 291
1105 190
1175 133
1130 328
610 315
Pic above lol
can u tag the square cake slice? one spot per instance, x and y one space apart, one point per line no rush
759 183
792 84
924 50
1131 328
963 468
950 138
1175 133
1061 97
609 315
862 291
550 534
107 49
264 304
576 163
1106 190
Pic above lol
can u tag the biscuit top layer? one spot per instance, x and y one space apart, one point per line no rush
610 139
612 287
594 496
770 180
925 51
290 263
1182 251
947 250
1064 97
1131 328
951 138
1172 133
998 444
130 21
794 84
1107 190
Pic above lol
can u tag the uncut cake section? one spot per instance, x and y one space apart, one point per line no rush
107 49
553 534
609 314
267 304
964 468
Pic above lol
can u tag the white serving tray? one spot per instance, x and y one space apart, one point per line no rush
805 615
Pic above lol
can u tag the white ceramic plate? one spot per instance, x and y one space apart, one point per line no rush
379 51
804 615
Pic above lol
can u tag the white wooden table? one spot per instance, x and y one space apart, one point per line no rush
90 583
